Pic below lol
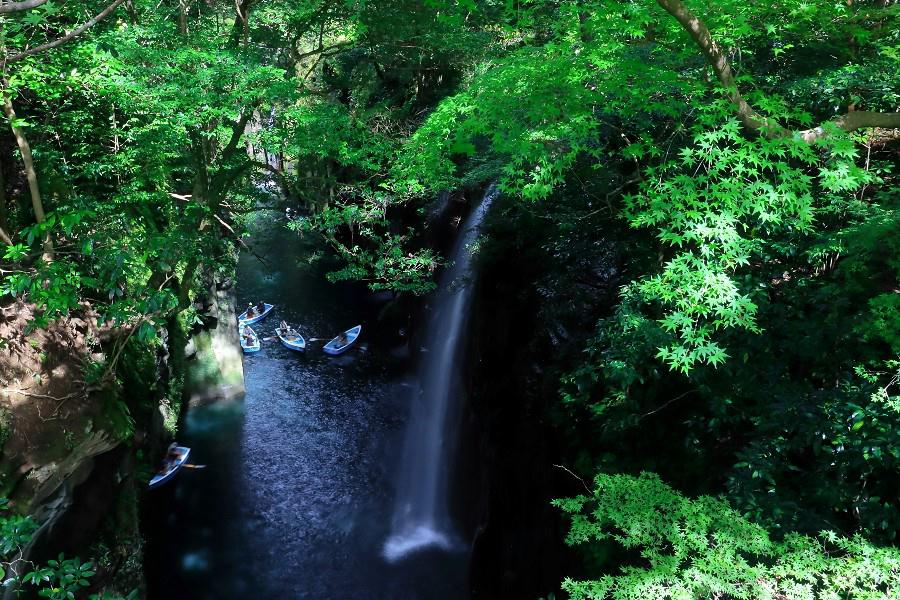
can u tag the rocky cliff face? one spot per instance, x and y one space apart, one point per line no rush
59 424
79 443
52 417
214 367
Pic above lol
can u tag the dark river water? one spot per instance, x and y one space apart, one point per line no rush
297 497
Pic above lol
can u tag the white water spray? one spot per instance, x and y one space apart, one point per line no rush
421 516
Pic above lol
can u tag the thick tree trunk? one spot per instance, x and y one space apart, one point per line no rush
30 174
241 30
210 189
717 59
186 283
182 17
4 210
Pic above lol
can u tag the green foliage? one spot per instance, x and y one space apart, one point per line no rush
718 201
133 170
60 579
15 530
754 334
719 208
698 548
373 253
619 357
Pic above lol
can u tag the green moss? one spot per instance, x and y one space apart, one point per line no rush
115 418
209 369
171 402
5 426
137 372
170 405
8 479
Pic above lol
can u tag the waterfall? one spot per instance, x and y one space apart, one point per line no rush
421 517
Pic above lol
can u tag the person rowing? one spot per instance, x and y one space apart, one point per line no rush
172 455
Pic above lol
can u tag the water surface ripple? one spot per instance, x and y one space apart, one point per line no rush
296 500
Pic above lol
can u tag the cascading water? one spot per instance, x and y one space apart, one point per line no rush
421 517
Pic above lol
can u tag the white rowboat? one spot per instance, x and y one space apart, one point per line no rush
342 343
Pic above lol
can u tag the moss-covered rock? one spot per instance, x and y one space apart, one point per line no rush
214 369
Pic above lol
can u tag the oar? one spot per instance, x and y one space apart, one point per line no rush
190 466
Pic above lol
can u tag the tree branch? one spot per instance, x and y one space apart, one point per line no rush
34 189
11 7
267 167
853 120
237 131
320 50
66 38
749 117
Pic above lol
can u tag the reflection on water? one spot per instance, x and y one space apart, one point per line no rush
296 499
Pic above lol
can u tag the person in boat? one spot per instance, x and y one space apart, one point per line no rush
171 457
288 332
342 339
250 311
261 307
248 338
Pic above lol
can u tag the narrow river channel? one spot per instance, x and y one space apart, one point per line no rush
297 497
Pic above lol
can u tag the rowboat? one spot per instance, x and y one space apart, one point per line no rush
249 339
290 338
174 460
257 316
341 343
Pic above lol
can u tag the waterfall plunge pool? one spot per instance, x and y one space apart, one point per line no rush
299 493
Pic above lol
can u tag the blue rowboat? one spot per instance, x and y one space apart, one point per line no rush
174 460
249 339
342 343
291 338
257 316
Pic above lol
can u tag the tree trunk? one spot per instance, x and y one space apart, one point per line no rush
132 12
182 17
30 174
4 209
187 280
241 29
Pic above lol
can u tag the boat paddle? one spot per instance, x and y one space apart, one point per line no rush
190 466
269 339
